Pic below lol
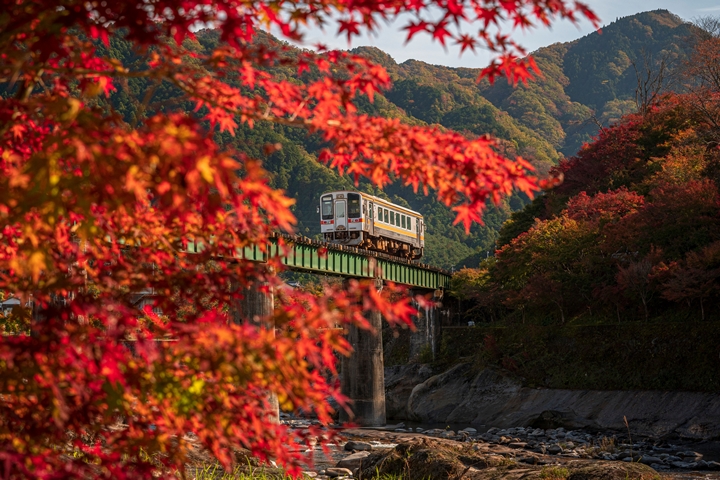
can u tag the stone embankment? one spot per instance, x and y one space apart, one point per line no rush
487 399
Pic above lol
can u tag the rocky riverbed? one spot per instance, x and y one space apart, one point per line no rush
511 453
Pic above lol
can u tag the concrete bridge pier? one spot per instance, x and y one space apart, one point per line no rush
254 306
363 376
424 340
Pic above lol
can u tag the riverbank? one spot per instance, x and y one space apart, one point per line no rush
401 452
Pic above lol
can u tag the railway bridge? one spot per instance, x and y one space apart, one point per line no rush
362 373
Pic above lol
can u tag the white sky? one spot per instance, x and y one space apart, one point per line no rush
391 39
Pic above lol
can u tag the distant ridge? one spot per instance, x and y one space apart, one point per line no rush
586 82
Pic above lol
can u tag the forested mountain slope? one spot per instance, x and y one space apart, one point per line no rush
591 78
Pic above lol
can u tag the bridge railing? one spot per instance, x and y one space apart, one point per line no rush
305 254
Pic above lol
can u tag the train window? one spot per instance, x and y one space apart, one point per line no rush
403 221
386 216
327 208
354 205
409 223
393 218
340 210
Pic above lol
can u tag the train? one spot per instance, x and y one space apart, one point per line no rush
365 221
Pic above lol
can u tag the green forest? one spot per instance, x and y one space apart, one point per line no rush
584 85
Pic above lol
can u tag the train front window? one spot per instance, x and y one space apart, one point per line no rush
340 210
354 205
327 208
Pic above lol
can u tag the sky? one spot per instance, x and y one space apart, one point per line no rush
391 39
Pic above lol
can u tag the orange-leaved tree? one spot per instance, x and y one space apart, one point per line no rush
93 211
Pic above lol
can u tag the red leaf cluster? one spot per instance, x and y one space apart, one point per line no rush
124 239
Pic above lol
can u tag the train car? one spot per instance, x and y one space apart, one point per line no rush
365 221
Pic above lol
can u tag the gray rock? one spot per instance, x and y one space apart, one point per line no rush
649 460
338 472
310 474
469 430
691 457
517 444
399 383
684 465
353 461
554 449
713 465
689 454
358 446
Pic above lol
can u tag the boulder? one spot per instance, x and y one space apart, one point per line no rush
338 472
358 446
649 459
353 461
399 383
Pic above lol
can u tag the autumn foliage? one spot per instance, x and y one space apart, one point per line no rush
97 213
632 233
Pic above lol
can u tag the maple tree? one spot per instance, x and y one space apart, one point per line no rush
95 210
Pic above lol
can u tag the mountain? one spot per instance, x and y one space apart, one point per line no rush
587 82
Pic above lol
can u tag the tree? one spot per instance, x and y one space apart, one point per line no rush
652 79
696 278
636 281
94 210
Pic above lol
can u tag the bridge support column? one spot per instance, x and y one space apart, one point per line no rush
254 306
363 374
427 322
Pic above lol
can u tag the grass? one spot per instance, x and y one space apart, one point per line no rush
554 473
216 472
603 445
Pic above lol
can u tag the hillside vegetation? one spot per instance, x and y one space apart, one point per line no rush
587 82
633 232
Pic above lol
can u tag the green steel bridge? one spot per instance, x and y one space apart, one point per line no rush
306 255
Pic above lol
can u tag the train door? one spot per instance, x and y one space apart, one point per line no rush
340 215
371 219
